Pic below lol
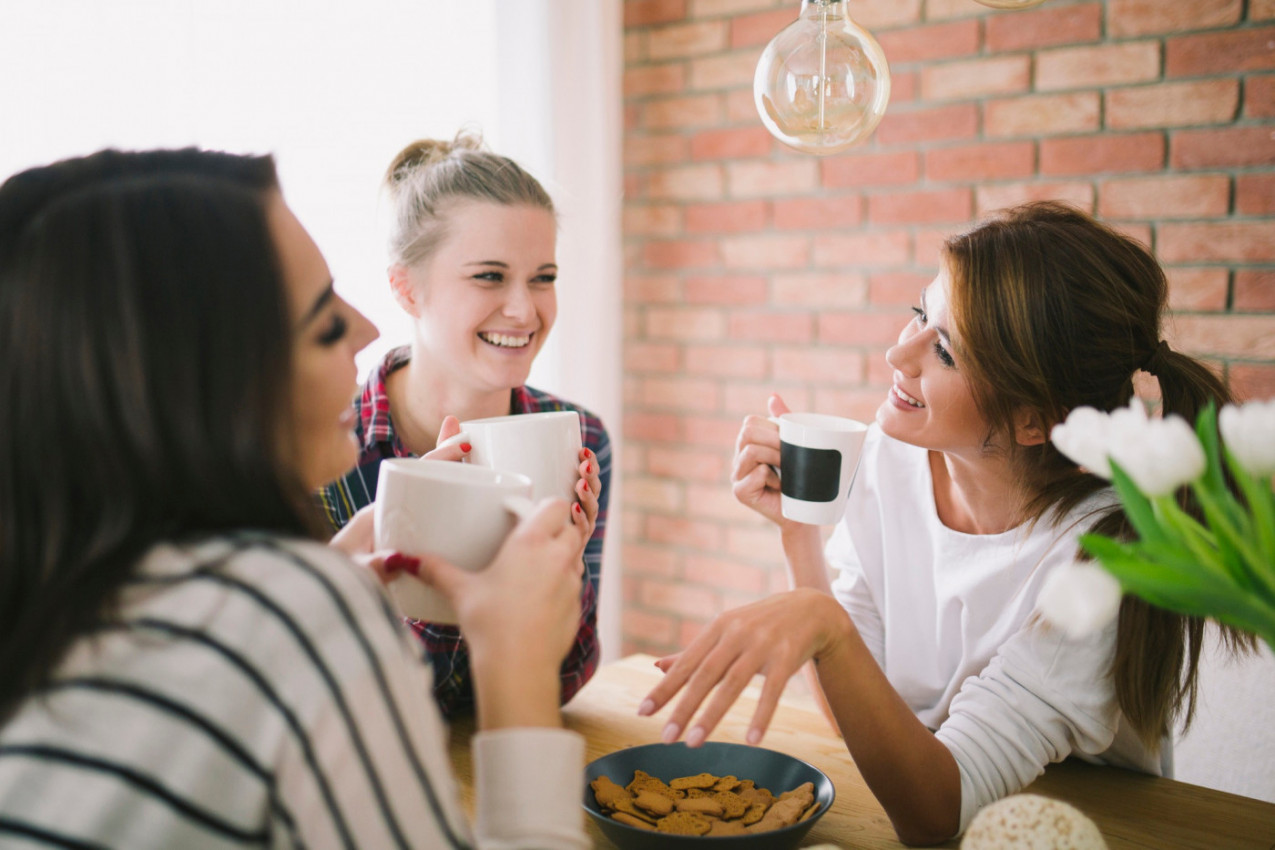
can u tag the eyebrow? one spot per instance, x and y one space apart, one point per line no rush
499 264
942 333
318 305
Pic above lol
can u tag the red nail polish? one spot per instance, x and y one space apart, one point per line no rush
576 507
464 447
588 470
406 563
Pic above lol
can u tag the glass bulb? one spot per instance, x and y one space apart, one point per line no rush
1011 4
822 84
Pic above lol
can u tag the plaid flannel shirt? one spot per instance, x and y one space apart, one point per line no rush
448 654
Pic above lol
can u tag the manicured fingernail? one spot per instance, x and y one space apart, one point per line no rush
464 447
696 736
575 506
754 735
406 563
647 706
670 733
588 469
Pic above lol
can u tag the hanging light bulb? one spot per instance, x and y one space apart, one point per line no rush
822 84
1011 4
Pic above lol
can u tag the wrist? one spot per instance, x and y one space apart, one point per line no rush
511 690
835 628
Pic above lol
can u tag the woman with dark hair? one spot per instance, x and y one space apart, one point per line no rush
182 662
949 691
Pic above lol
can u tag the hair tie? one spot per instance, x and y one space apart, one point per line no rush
1149 364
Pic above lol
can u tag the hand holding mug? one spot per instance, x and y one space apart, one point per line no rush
753 476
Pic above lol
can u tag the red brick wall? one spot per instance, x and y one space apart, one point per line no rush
752 268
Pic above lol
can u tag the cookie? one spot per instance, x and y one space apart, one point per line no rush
607 792
684 823
621 817
655 803
701 805
702 780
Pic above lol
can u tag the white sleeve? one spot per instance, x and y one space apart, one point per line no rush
1041 698
528 785
850 588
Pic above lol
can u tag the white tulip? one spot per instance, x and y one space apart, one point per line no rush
1079 598
1160 455
1249 433
1083 438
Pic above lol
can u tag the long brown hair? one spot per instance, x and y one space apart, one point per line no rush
1054 310
145 356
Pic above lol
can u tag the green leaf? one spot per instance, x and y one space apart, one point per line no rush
1136 506
1231 541
1206 431
1261 503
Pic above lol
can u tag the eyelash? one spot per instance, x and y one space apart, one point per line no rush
497 277
335 331
944 357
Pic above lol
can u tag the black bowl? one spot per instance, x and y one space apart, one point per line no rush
769 769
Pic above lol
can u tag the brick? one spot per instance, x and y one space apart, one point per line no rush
686 183
1173 104
678 598
725 217
819 289
873 14
930 42
1197 289
1165 197
1104 65
943 10
680 254
758 29
765 252
727 361
679 393
870 169
654 150
685 323
744 398
725 574
650 427
1044 27
652 220
646 560
894 289
756 545
729 70
1220 53
856 403
686 464
703 110
921 207
646 289
1261 10
633 458
927 247
1259 97
668 78
957 121
726 289
1235 336
634 47
859 328
716 431
817 213
771 327
656 494
1223 241
1127 18
1102 154
649 627
740 106
995 161
651 357
644 13
732 143
766 179
819 365
990 198
880 372
1251 381
682 41
903 86
862 250
1230 147
1255 291
1255 194
976 78
1043 115
718 8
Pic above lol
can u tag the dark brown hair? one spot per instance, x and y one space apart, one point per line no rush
144 361
1054 310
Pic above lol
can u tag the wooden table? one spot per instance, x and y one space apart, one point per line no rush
1131 809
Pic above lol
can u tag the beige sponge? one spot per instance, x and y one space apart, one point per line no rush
1032 822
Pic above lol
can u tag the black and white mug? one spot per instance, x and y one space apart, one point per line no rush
818 457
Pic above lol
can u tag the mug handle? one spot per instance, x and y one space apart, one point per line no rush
453 440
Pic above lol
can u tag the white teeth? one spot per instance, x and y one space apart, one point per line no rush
505 341
905 397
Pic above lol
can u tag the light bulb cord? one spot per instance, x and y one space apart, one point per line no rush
823 62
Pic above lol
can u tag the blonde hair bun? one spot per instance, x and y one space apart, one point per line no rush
426 153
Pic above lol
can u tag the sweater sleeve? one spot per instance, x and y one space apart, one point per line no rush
1042 698
518 813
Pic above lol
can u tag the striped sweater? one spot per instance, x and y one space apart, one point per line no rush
256 691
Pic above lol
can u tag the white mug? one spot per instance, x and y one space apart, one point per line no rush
460 512
545 447
818 457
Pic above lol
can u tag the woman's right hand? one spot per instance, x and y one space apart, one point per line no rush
456 451
753 477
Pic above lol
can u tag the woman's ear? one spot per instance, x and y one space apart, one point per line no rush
401 286
1028 430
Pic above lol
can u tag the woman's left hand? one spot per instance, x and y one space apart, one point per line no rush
584 513
455 451
773 638
357 538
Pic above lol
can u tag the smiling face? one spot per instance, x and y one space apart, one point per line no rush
930 404
326 334
484 300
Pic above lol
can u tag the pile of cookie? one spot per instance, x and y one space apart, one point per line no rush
703 804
